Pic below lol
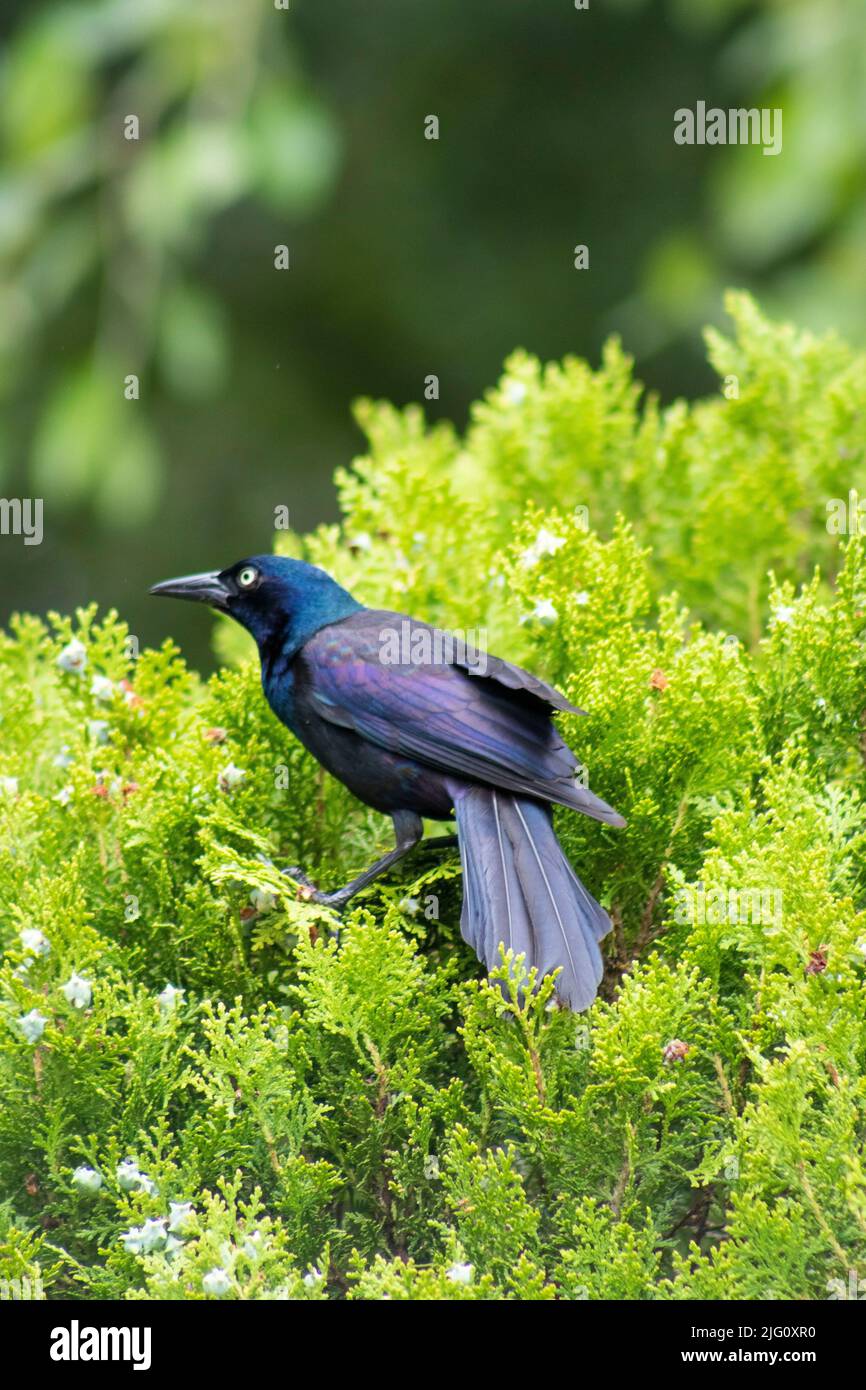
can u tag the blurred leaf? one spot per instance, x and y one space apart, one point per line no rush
294 148
45 91
183 178
61 259
16 322
19 213
128 488
678 273
193 342
72 436
93 444
765 207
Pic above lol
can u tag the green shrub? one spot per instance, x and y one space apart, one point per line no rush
211 1089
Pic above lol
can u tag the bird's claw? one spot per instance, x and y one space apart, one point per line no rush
307 892
335 901
298 876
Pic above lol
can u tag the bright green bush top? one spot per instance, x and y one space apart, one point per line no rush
207 1092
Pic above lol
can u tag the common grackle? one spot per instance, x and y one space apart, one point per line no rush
456 731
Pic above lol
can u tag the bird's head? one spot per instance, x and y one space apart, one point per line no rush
275 598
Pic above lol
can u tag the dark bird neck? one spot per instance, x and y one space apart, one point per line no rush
287 632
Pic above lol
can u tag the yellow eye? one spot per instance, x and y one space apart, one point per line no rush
248 576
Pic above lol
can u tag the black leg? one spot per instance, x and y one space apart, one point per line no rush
408 829
438 842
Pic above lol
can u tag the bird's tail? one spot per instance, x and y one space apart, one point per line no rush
520 890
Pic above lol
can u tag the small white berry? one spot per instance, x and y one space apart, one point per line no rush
33 940
78 991
252 1246
32 1025
87 1179
102 688
543 612
230 777
170 997
142 1240
180 1214
128 1176
73 657
216 1282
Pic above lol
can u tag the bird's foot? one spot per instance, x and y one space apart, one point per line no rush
308 892
335 901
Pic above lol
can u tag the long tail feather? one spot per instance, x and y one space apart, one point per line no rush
520 890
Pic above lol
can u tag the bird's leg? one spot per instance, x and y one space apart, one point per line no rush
438 842
299 877
408 829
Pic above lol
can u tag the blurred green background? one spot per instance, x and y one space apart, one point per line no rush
305 127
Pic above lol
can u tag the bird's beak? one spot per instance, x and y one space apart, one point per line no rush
198 588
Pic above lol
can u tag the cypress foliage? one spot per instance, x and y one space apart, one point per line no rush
211 1089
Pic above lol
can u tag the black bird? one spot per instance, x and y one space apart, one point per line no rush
415 725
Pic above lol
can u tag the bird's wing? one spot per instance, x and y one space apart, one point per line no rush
515 678
480 727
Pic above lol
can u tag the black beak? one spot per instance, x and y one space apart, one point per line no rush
198 588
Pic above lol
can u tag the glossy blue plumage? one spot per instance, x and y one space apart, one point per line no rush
468 737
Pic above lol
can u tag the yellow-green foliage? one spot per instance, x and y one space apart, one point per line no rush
323 1109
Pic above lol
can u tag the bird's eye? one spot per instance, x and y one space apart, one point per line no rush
248 577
